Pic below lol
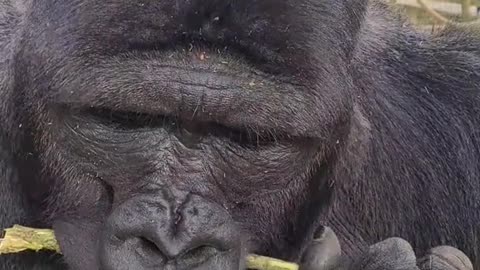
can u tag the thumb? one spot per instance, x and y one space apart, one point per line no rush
445 258
323 252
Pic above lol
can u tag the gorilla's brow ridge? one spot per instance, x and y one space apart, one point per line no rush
238 101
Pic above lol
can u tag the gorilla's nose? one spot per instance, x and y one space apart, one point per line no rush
150 233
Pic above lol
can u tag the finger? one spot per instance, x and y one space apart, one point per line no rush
323 252
445 258
393 254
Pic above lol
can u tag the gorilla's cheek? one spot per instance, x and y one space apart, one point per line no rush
79 242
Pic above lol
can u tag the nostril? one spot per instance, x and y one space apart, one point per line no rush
199 254
149 245
151 252
202 251
147 249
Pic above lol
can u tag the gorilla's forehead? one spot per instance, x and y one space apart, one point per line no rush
125 54
276 25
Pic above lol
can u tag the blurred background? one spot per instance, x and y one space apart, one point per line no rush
428 14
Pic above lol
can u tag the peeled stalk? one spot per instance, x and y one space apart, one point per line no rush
20 238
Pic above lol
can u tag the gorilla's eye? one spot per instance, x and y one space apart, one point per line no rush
247 138
126 120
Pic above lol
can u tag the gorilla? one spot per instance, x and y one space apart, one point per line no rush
186 134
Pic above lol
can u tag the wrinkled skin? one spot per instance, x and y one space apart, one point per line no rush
185 134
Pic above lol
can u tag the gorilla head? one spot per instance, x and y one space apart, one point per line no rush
180 132
184 134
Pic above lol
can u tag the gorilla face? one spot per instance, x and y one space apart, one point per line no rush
183 133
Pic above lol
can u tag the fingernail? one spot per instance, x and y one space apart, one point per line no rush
319 233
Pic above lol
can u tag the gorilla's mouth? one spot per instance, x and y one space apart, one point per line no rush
20 239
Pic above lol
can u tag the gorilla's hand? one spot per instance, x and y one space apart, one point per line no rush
392 254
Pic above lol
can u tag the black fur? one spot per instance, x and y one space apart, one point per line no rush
352 111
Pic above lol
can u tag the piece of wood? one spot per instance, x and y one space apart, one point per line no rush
20 238
266 263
